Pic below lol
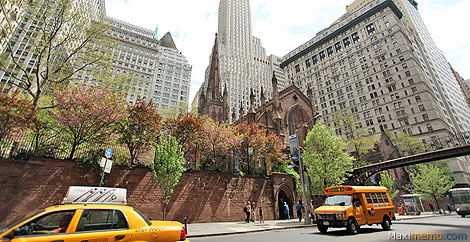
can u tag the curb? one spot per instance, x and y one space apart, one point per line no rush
248 231
421 216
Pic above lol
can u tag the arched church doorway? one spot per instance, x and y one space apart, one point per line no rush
281 198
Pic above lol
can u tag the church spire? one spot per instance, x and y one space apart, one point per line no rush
214 79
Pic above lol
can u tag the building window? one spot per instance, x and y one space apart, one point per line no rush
297 69
292 121
370 29
338 47
315 59
355 37
429 127
346 42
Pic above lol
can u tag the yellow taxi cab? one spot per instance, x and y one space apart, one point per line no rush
92 214
353 206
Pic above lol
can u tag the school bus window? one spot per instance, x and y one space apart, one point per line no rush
374 197
369 198
379 195
384 195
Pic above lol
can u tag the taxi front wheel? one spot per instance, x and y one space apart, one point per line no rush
322 228
352 226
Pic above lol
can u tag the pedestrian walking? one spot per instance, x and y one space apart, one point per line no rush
253 212
261 217
286 211
298 207
431 206
247 210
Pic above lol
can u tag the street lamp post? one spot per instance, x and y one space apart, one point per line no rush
302 180
301 167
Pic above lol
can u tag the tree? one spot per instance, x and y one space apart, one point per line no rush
174 112
187 129
387 181
65 38
217 144
409 145
167 167
431 181
357 139
87 114
264 145
141 129
14 108
326 159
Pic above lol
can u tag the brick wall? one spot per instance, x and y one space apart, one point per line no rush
200 196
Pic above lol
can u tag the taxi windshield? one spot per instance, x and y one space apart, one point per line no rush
338 200
8 227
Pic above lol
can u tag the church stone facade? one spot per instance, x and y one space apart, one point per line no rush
289 111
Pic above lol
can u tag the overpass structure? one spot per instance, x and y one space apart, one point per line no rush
440 148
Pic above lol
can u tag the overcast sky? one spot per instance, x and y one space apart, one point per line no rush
282 27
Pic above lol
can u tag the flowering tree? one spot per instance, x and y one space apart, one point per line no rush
187 129
87 113
217 144
141 129
67 39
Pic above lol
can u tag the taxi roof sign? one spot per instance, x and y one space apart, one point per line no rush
102 195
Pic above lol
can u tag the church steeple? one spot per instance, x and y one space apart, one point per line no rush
214 78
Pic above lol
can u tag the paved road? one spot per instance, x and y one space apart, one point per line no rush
452 224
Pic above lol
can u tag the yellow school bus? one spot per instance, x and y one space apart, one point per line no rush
353 206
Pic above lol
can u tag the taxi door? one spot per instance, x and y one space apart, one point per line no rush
101 225
41 238
43 228
359 211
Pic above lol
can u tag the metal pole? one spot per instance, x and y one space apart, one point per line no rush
302 181
102 173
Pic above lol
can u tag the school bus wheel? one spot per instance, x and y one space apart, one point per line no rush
322 228
352 226
386 224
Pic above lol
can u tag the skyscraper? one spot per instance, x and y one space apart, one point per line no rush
22 57
371 65
243 63
439 72
157 70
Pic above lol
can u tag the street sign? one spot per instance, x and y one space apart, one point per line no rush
294 150
108 153
250 150
109 165
103 162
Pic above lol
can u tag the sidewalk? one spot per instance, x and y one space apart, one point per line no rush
225 228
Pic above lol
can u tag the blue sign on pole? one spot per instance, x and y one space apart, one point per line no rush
294 150
108 153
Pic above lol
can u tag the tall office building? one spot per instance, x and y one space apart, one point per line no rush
371 65
175 74
444 83
10 16
156 69
243 63
30 28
